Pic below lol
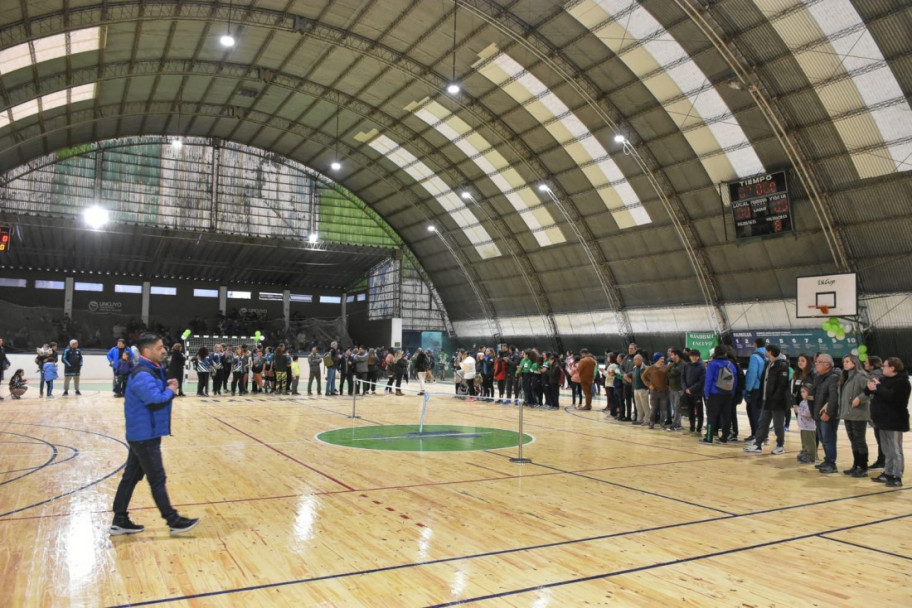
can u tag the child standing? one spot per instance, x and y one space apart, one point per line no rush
295 375
122 371
17 385
808 428
50 374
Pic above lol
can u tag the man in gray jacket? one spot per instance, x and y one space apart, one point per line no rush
313 360
361 369
826 410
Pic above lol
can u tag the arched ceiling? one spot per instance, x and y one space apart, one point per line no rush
704 92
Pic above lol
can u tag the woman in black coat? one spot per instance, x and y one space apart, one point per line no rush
176 367
890 415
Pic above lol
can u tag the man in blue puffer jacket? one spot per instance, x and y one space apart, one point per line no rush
147 410
717 398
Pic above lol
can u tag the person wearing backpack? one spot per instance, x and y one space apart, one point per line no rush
330 361
720 384
752 393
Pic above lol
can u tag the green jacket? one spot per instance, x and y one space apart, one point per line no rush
674 371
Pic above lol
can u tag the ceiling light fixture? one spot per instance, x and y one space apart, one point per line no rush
336 165
432 228
96 217
177 143
453 87
313 237
227 39
619 138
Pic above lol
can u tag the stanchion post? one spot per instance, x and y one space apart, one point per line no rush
520 459
355 398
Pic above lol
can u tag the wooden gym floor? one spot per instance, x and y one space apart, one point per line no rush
607 514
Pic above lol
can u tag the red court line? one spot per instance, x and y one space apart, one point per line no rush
288 456
384 488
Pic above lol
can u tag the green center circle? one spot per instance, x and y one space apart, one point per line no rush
433 438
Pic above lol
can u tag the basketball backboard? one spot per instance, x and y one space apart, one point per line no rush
830 295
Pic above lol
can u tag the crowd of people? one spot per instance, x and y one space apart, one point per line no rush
656 391
243 369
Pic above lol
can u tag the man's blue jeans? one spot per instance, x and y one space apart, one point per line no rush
331 380
826 432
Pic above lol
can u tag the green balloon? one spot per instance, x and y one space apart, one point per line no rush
186 334
862 350
862 357
840 335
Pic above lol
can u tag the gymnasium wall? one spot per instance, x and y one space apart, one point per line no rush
30 316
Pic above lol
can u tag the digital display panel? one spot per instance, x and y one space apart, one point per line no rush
761 206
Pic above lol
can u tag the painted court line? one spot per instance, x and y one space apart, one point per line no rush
661 564
845 542
529 548
288 456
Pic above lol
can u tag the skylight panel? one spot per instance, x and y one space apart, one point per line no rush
15 58
641 42
24 110
559 121
859 91
486 158
48 48
436 188
51 47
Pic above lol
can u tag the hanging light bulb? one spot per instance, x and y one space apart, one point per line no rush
227 39
453 87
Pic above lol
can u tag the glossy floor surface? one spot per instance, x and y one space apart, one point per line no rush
606 513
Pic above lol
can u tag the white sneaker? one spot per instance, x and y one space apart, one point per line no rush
753 449
778 450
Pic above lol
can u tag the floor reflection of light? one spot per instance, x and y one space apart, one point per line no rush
460 580
424 543
543 600
81 546
306 516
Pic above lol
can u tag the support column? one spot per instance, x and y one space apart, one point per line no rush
223 300
286 307
68 297
344 314
396 332
146 292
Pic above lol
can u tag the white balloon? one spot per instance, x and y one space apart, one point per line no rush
847 328
831 334
855 351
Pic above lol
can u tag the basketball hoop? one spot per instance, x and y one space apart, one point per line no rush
825 310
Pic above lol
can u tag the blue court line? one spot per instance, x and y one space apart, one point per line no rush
33 470
661 564
845 542
444 560
79 489
620 485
